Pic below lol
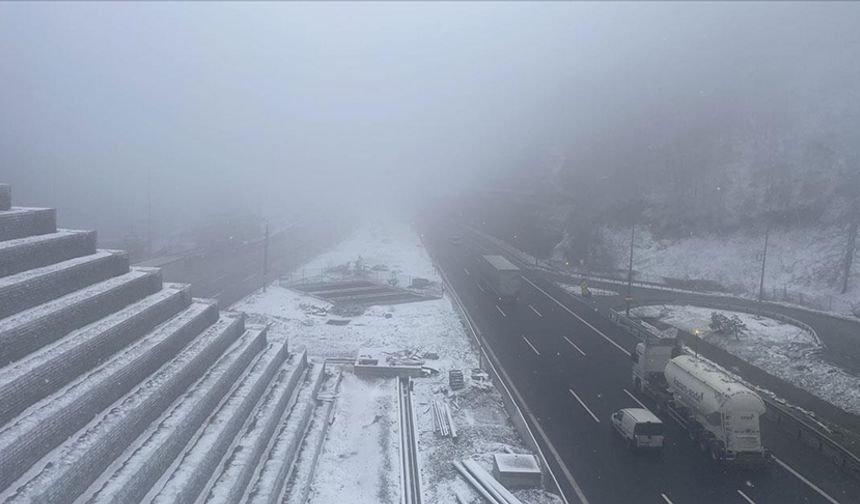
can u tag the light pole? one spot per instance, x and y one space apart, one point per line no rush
763 262
629 297
149 213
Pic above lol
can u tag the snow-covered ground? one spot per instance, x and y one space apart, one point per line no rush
360 457
781 349
803 265
576 290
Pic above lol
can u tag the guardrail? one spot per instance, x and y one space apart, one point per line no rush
410 470
488 363
804 430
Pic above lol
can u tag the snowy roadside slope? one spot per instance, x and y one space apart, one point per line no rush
803 262
360 455
783 350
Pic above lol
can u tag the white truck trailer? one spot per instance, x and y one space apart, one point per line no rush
720 414
500 277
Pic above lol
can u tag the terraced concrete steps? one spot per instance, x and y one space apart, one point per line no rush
144 462
26 331
27 289
22 222
299 482
78 462
50 421
193 471
275 468
36 251
241 461
41 373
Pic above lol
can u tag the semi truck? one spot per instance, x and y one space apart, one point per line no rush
500 277
719 414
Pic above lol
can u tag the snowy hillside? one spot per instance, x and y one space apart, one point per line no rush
803 265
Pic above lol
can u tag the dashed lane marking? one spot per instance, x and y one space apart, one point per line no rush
808 483
581 403
500 311
529 343
571 343
466 271
535 310
668 501
568 310
746 497
634 398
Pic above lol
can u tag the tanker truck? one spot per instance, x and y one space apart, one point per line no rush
719 414
500 277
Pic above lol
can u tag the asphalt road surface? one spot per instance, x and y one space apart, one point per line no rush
572 368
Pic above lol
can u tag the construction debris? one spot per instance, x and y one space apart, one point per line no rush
485 484
517 470
455 379
442 421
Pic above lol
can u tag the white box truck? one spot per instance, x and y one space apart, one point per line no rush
500 277
720 414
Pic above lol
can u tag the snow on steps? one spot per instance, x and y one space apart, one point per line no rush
26 331
49 422
274 471
22 222
190 475
41 373
31 252
71 469
241 461
299 483
27 289
144 462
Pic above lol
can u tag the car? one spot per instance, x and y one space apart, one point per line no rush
639 428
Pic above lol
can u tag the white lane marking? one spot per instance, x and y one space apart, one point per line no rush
535 310
521 406
500 311
568 310
466 271
480 287
666 499
532 346
808 483
746 497
574 345
634 398
583 405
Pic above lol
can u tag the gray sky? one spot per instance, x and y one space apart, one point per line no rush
266 106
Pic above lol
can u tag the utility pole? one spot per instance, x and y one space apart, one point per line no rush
763 262
266 254
629 297
149 213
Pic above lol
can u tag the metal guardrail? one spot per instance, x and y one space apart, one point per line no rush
805 431
488 362
410 470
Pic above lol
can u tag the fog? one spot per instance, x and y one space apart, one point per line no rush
278 109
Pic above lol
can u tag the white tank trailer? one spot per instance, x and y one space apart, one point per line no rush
720 414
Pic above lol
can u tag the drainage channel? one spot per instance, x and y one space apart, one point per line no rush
410 475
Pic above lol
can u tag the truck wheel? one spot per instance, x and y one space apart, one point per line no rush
703 446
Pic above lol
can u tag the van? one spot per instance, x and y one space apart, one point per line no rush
639 428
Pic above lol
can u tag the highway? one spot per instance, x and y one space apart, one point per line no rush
572 368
